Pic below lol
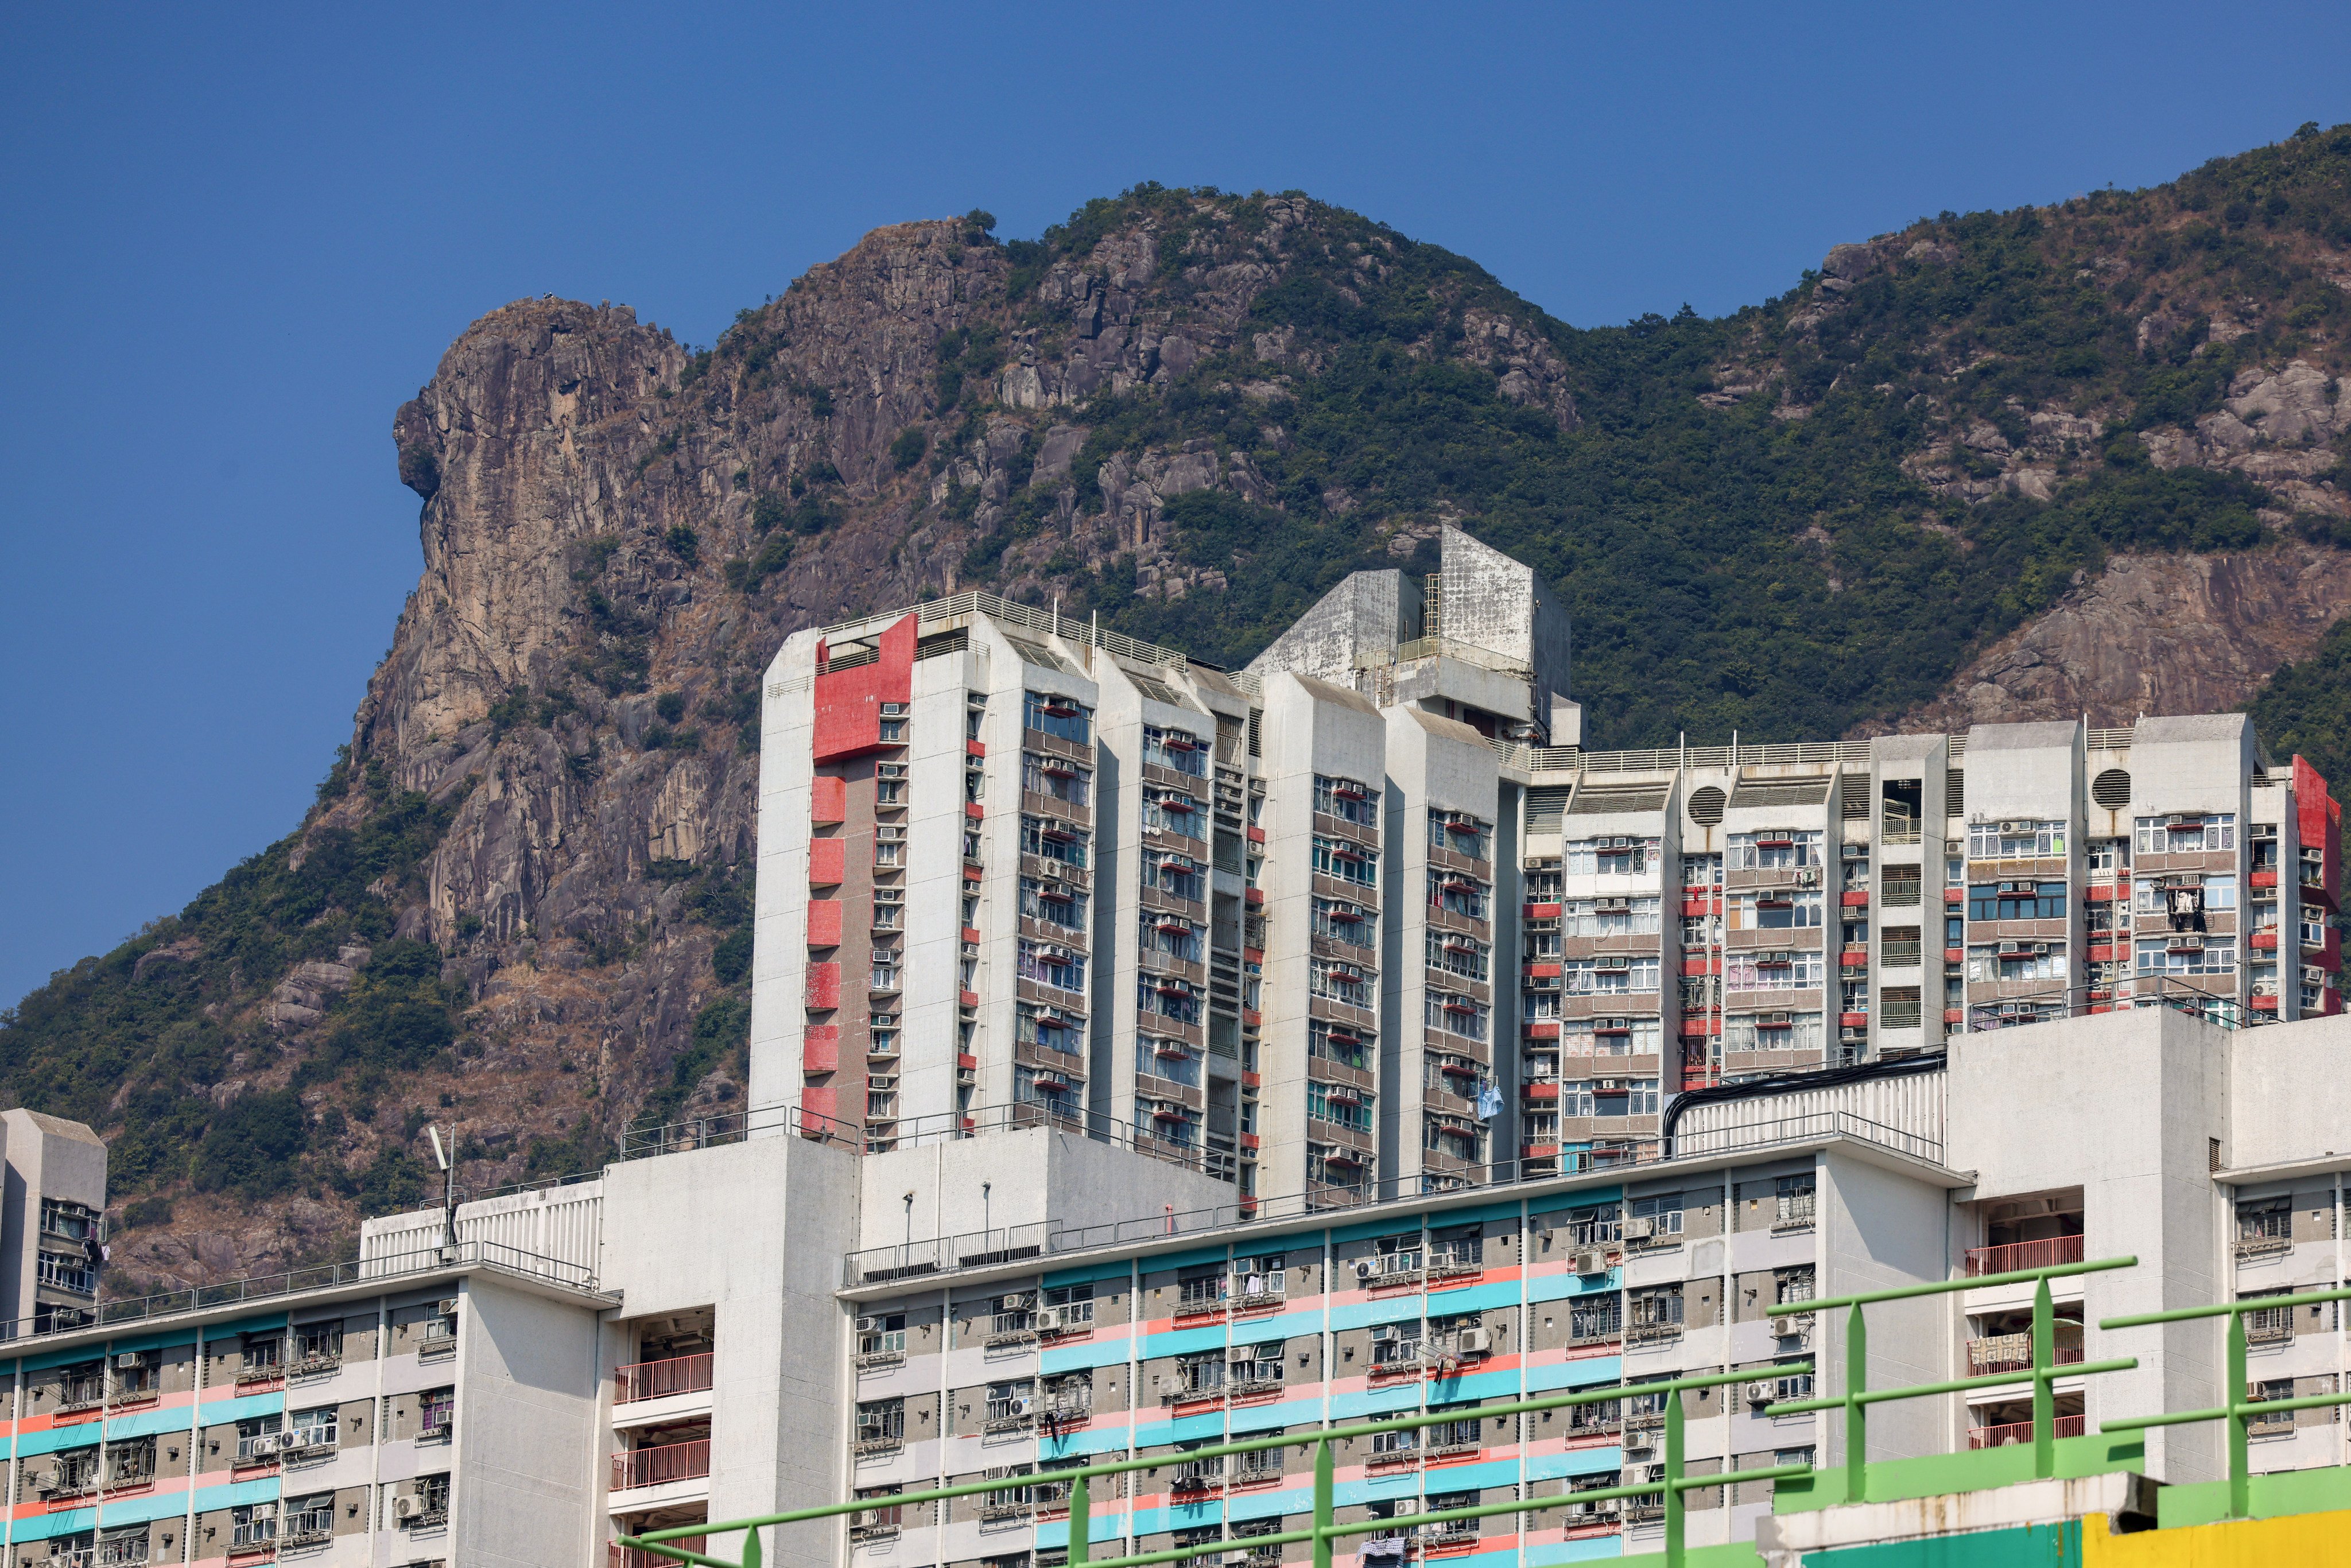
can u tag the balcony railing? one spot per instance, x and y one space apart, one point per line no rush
658 1379
658 1467
2046 1253
2013 1352
619 1556
2016 1432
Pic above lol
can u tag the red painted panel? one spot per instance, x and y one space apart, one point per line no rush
1955 895
1955 1015
820 1048
848 701
820 1100
2101 893
1546 1029
2261 878
827 801
1857 898
1542 911
1851 1021
2265 939
972 809
1543 970
824 985
824 923
2318 818
828 860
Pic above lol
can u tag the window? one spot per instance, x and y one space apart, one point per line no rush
2108 856
1462 893
1047 965
1338 1104
1178 750
1617 856
1171 936
1052 840
1608 917
1343 921
1636 974
1347 799
1537 1005
1346 861
253 1525
1172 811
1701 870
1170 1058
1610 1037
1056 904
1049 714
1793 1199
1639 1098
1341 982
1590 1318
1775 849
881 1421
1658 1306
2265 1219
310 1518
2019 961
885 1334
1181 875
1458 954
2185 832
885 971
319 1428
1776 911
1541 939
1663 1213
2026 840
436 1412
1456 1014
1011 1401
2218 956
1791 971
1462 834
1772 1032
2016 900
1542 881
256 1436
888 853
890 791
1044 774
129 1460
1333 1043
1178 1000
1258 1363
892 731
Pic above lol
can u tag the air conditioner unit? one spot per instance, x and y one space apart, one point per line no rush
865 1519
1474 1341
404 1509
1022 1405
131 1360
1382 1332
869 1325
1640 1443
2016 827
265 1445
1020 1300
1365 1269
1762 1393
2186 943
2009 947
2313 974
446 1306
1774 1020
1592 1261
2040 949
2177 820
1048 1319
1640 1230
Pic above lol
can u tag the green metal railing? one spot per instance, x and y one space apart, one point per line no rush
1671 1489
2238 1410
1857 1396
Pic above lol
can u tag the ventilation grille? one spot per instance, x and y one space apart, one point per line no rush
1546 808
1255 716
1589 802
1806 793
1706 805
954 641
1955 792
2111 788
1853 789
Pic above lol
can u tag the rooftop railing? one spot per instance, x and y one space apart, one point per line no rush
2222 1009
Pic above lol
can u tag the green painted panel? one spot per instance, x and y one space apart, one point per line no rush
1937 1475
2270 1496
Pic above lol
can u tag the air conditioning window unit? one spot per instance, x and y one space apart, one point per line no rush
446 1306
1474 1341
869 1325
2313 974
131 1360
1048 1319
865 1519
1640 1230
2009 947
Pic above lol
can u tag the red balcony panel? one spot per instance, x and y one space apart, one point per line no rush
820 1103
824 985
1253 956
820 1048
1541 971
2049 1252
1542 1088
1955 1015
971 873
1955 895
1538 1151
1853 960
1695 966
2265 1004
1257 835
2263 879
971 933
1249 1141
967 999
659 1379
1251 1019
824 923
670 1462
975 748
1691 907
967 1060
827 801
2265 940
1855 898
1852 1020
828 861
1955 955
1256 897
1546 1029
1252 1080
971 810
2018 1432
1542 910
2099 892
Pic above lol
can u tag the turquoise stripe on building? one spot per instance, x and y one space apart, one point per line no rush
1474 1386
1372 1491
1183 1342
1266 1418
143 1423
1388 1310
236 1496
220 1412
1185 1430
54 1524
1574 1462
1482 1213
1100 1526
1560 1287
1474 1299
1265 1505
1086 1275
62 1358
1376 1401
246 1326
1484 1560
1183 1516
1282 1325
139 1509
1584 1551
182 1340
1552 1202
1108 1442
57 1438
1085 1353
1462 1477
1583 1374
1191 1260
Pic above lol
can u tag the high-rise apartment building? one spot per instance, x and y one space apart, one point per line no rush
1365 919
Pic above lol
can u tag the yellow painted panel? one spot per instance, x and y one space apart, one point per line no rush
2311 1539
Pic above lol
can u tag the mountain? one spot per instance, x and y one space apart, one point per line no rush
2088 457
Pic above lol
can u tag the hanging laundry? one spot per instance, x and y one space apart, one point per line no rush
1490 1103
2186 907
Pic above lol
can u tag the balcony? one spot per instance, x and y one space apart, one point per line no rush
619 1556
659 1467
2013 1352
2048 1253
659 1379
2016 1432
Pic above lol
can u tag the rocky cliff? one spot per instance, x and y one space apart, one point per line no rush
2085 458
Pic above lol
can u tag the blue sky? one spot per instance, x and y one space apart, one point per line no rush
236 237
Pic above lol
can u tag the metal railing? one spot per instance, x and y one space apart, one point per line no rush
2010 1256
2220 1009
469 1254
1668 1492
2043 1370
658 1379
1051 1238
656 1467
2241 1411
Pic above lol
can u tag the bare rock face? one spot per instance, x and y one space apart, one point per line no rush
2154 634
2273 427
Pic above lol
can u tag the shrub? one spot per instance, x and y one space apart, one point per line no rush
908 449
